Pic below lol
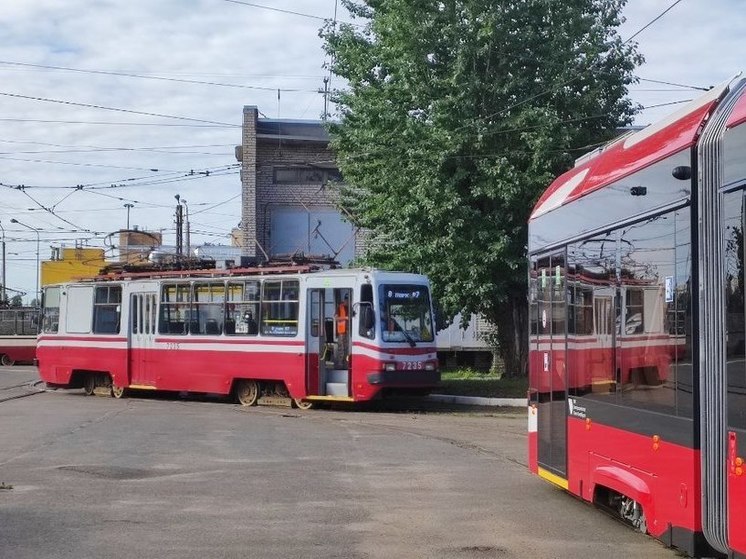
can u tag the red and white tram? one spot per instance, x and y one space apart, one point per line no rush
637 397
261 334
18 329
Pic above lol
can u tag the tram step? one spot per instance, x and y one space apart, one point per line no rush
337 376
336 389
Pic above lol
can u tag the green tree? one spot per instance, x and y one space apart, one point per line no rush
16 301
455 116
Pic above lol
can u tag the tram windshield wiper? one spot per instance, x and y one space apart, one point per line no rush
407 335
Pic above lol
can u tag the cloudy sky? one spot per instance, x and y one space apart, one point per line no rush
192 65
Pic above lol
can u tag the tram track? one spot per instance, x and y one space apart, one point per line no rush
22 390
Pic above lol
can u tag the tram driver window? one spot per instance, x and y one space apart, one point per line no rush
50 321
367 313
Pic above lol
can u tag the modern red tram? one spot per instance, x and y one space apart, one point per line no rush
656 429
18 329
274 334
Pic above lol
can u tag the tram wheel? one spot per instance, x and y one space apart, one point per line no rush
118 392
6 361
302 404
89 385
247 392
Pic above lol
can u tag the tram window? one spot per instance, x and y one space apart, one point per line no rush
580 310
646 351
174 317
590 345
367 313
107 308
735 304
51 311
279 308
635 311
242 308
208 301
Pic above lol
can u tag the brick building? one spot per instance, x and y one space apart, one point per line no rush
286 166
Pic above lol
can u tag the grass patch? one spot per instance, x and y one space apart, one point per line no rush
468 382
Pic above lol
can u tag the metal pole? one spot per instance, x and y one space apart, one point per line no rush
128 206
3 293
178 226
38 269
188 239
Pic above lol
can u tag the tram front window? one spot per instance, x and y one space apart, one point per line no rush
406 314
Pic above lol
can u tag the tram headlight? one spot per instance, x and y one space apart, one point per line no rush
430 366
389 366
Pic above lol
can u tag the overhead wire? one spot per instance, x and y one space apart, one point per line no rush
115 109
142 76
109 123
652 21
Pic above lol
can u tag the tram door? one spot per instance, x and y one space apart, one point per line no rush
328 341
552 398
143 313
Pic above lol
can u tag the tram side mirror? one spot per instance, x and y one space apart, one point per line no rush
367 320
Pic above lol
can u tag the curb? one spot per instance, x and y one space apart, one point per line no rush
476 401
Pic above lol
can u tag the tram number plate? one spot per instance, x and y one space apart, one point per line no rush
412 365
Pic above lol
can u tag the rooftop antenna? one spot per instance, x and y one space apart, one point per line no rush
328 78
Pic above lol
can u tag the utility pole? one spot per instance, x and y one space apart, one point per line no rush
38 269
179 219
3 293
129 207
188 239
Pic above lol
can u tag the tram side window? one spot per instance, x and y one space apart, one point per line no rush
208 300
646 351
242 308
580 311
51 311
635 311
590 350
175 309
107 307
279 308
735 304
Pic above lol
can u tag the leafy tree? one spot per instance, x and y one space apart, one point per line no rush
455 116
16 301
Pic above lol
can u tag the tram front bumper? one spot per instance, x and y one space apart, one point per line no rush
404 378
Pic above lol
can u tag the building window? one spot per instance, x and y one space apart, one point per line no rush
305 175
